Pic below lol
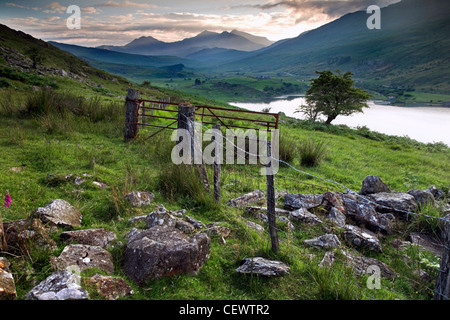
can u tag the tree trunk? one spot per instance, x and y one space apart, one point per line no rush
330 118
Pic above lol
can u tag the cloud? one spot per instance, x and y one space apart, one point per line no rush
10 4
54 7
125 4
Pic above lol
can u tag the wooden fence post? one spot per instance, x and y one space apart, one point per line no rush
217 160
131 115
271 202
442 287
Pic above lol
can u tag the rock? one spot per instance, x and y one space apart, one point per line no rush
373 184
337 217
100 185
397 202
7 285
263 267
362 238
437 193
422 197
246 199
364 213
94 237
139 198
60 213
61 285
161 217
196 223
304 216
288 222
22 234
326 241
427 243
294 201
361 264
255 226
164 251
138 219
255 210
85 256
332 200
111 288
328 259
214 230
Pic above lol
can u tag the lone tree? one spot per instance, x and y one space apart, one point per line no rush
332 95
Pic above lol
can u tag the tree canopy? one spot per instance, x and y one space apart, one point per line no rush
332 95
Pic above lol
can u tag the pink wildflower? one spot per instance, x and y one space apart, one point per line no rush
7 200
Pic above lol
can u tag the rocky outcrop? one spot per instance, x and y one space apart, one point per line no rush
263 267
60 213
164 251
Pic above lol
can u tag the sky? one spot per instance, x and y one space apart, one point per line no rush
116 22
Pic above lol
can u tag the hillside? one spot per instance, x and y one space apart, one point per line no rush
409 52
62 139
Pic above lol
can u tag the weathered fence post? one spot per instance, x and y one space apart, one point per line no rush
186 118
442 287
131 115
271 202
217 160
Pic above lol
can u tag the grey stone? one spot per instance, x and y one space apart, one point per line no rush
397 202
326 241
373 184
139 198
361 264
423 197
85 256
304 216
61 285
337 217
94 237
362 238
263 267
294 201
246 199
164 251
7 285
60 213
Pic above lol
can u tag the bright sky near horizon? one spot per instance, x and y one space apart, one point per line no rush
116 22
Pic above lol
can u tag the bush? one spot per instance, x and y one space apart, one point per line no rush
312 152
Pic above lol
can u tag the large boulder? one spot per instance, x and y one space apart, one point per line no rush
7 286
263 267
294 201
362 238
164 251
93 237
85 256
61 285
396 202
373 184
60 213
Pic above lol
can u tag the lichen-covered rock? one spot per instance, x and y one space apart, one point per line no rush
361 264
60 213
362 238
294 201
111 288
326 241
93 237
164 251
7 285
61 285
139 198
396 202
304 216
423 197
246 199
161 217
373 184
263 267
85 256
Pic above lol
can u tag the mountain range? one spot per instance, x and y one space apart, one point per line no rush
234 40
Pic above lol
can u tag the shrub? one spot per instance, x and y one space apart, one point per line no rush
312 152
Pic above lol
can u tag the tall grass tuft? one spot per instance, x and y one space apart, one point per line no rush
312 152
287 148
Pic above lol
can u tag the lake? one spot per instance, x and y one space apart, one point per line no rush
424 124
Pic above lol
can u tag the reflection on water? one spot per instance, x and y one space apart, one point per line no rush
425 124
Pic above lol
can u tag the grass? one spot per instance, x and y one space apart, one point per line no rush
71 138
